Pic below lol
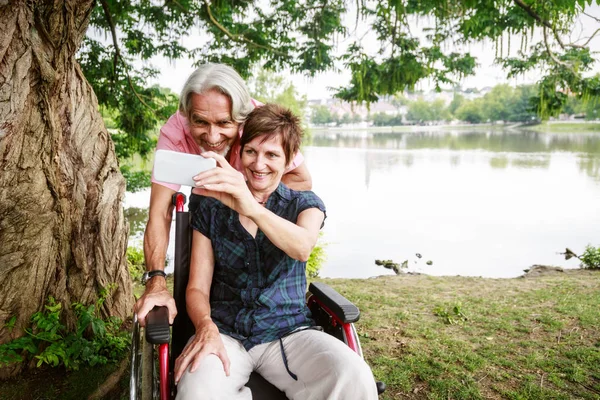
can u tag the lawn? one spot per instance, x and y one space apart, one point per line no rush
443 338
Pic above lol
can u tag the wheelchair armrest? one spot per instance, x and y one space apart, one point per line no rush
157 326
341 307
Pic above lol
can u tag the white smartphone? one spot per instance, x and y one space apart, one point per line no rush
180 168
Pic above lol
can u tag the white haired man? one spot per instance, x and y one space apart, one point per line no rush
213 106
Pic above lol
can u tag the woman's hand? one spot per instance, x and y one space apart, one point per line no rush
206 341
227 185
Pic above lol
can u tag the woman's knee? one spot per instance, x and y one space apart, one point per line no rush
208 381
356 376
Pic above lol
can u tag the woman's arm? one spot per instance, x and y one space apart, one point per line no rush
207 339
229 187
296 240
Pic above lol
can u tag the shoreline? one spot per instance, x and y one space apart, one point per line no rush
544 127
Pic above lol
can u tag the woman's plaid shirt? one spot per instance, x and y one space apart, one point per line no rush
258 291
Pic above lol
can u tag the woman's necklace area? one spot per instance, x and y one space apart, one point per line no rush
260 195
262 202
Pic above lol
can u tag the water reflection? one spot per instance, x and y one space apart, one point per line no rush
590 164
516 148
495 141
137 218
488 203
476 203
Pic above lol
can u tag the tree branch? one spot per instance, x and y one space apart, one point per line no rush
591 16
113 33
539 19
551 54
238 38
176 3
581 46
117 55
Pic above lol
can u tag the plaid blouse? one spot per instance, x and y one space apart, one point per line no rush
258 292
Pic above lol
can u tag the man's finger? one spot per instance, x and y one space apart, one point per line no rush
172 310
143 311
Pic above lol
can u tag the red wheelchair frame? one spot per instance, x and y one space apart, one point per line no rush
153 358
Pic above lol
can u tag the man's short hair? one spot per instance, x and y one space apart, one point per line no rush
222 78
270 120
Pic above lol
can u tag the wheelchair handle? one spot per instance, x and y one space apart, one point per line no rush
157 326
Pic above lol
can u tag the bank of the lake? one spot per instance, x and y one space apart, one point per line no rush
543 127
432 337
565 127
448 337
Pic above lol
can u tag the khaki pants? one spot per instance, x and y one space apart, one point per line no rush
326 369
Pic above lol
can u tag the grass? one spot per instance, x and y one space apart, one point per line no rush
565 127
444 338
475 338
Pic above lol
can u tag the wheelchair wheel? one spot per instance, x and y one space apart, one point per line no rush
150 378
144 378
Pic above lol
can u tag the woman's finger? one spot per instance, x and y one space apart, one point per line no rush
225 360
208 178
186 357
221 161
181 365
219 178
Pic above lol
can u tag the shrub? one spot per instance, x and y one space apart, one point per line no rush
590 259
136 180
317 258
94 341
136 263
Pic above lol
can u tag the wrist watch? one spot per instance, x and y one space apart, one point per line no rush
151 274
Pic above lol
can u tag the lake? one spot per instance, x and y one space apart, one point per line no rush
474 203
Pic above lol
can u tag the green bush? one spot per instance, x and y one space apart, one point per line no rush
94 340
590 259
136 180
135 262
317 259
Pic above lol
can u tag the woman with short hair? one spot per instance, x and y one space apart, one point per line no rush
247 284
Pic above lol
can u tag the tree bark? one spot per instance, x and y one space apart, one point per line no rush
62 229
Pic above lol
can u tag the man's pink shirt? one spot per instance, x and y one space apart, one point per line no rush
175 136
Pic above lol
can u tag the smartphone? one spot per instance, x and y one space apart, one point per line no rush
180 168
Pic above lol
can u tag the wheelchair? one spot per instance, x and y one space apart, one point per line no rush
152 359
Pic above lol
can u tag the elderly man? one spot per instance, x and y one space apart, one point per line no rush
213 106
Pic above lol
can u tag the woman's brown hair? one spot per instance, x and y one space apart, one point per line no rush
270 120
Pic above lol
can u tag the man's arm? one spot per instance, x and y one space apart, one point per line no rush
156 241
298 179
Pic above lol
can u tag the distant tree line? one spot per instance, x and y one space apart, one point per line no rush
502 103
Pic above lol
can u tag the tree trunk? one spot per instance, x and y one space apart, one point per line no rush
62 229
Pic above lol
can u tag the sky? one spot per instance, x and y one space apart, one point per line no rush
174 73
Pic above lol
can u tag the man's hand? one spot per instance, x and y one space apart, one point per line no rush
206 341
156 294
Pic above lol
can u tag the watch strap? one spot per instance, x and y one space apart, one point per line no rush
151 274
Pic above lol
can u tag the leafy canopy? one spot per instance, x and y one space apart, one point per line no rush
415 40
